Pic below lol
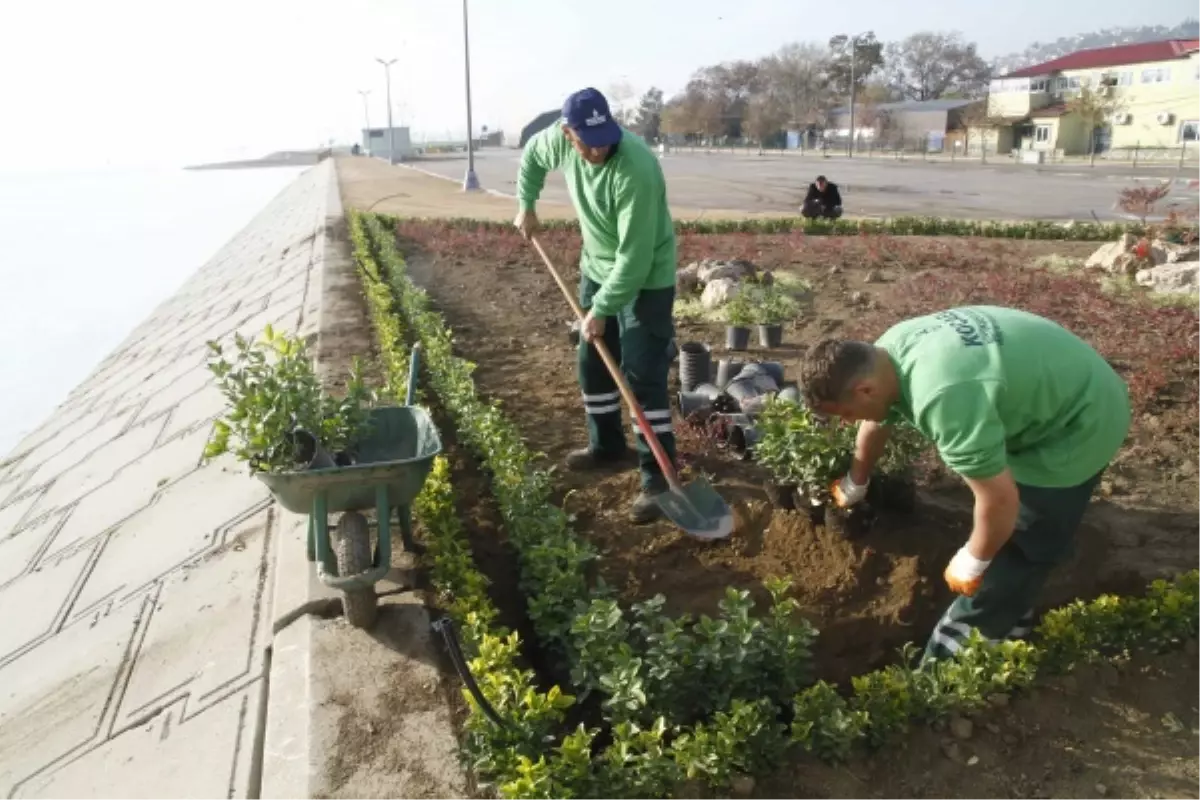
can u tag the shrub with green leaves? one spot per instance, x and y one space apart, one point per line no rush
739 311
798 448
271 390
745 738
660 674
824 725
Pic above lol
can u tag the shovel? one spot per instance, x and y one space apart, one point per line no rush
696 508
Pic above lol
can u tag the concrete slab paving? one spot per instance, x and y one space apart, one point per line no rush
140 761
160 595
43 596
131 488
20 550
55 698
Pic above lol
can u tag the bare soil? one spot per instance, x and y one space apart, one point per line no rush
1104 732
870 594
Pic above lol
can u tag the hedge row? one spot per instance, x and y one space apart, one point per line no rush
666 723
894 226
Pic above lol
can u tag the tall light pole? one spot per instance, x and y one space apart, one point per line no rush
387 73
470 180
366 117
840 41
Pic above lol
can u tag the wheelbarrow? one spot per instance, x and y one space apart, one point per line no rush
393 462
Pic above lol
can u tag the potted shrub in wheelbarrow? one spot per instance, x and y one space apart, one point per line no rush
320 454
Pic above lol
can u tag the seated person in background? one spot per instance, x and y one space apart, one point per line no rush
822 200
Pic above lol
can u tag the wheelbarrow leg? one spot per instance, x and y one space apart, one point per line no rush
319 520
383 513
406 532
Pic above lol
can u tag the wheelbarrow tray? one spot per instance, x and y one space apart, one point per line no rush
397 453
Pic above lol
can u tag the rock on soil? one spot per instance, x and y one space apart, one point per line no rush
710 270
1164 252
1114 257
718 292
1171 278
961 727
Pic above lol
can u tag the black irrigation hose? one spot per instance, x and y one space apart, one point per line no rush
445 626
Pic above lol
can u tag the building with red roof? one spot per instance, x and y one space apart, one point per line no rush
1113 101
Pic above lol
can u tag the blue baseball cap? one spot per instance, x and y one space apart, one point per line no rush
586 112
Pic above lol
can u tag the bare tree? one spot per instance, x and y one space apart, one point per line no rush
765 118
929 65
620 95
676 118
977 117
1095 107
798 76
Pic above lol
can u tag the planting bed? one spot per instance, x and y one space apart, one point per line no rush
871 594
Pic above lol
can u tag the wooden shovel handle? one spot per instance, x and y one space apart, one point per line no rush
660 455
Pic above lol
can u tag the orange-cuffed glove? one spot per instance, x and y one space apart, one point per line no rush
846 492
964 573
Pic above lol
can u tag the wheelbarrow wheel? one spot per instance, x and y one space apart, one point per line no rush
353 552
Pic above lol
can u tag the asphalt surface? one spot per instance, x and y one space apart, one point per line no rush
876 187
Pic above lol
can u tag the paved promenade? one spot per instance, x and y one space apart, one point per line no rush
140 589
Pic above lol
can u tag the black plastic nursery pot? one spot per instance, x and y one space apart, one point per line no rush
695 365
770 335
737 337
815 511
781 495
727 370
308 453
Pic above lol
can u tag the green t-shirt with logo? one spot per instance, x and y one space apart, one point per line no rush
995 387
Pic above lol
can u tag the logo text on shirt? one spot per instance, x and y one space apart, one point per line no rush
973 328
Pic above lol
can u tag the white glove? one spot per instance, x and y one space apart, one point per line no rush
846 492
964 573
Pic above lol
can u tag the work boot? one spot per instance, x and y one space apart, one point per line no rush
645 507
584 460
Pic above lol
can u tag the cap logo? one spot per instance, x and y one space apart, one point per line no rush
595 119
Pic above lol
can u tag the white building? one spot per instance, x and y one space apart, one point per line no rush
377 142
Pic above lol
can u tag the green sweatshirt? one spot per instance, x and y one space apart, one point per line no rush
628 236
995 387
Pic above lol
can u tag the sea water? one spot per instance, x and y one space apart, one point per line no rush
86 256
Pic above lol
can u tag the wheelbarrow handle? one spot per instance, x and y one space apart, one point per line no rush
660 455
413 371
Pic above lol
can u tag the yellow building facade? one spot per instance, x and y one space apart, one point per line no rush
1150 93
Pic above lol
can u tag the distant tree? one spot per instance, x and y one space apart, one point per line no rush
929 65
620 96
876 91
648 118
860 56
797 75
1095 106
977 117
765 118
676 118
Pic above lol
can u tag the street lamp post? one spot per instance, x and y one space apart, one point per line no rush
387 73
840 41
366 117
470 180
853 48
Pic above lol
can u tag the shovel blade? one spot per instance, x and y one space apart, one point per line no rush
698 510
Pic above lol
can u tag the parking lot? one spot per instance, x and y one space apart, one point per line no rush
878 187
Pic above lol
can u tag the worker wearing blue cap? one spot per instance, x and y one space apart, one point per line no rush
627 284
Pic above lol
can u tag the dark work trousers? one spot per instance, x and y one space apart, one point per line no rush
638 337
1002 608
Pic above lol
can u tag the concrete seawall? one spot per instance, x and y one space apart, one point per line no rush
154 640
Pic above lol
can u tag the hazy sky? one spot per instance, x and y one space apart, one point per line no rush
138 81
